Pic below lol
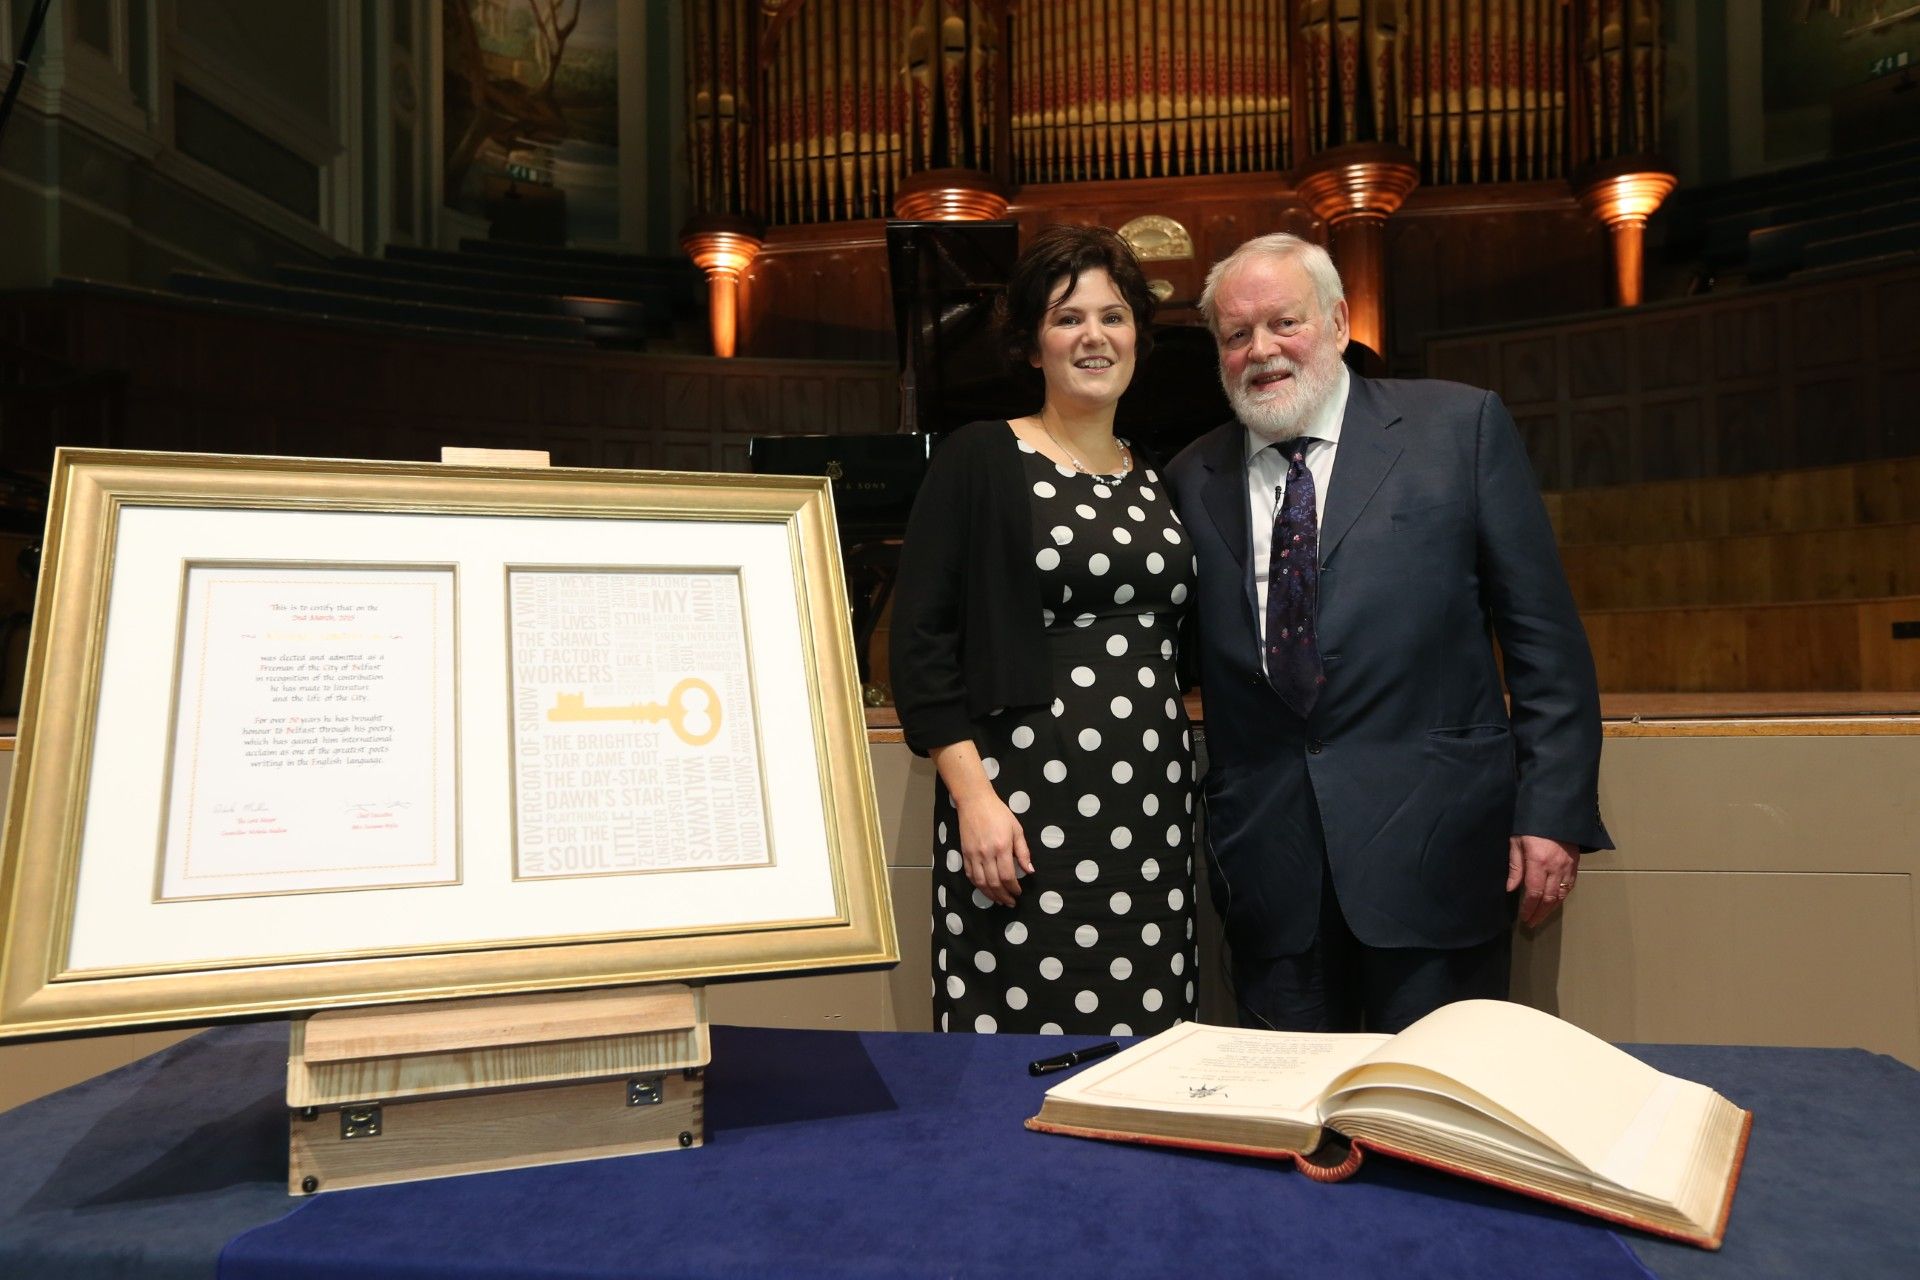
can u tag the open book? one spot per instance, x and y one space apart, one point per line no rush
1483 1088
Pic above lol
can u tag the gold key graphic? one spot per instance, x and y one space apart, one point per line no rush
692 711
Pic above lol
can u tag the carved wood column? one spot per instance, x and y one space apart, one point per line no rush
1354 189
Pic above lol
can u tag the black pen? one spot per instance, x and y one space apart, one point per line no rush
1044 1065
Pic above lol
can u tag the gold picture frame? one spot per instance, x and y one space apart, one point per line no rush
88 944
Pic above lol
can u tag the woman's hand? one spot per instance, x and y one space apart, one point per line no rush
993 849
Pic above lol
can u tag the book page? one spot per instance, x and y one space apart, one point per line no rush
1197 1069
1574 1089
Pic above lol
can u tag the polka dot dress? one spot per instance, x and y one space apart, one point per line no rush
1100 941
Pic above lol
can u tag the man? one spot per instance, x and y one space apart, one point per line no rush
1373 804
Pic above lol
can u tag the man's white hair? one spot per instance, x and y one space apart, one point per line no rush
1278 246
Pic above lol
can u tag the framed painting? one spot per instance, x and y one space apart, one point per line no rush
300 734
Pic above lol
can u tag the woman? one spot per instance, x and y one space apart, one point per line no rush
1033 636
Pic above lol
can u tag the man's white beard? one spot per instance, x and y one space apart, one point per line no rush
1288 408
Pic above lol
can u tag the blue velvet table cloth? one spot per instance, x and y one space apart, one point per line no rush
887 1154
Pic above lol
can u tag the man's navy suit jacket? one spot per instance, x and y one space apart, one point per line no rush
1433 541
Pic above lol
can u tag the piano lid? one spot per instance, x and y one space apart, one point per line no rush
946 278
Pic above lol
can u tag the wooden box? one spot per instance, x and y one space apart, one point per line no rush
425 1091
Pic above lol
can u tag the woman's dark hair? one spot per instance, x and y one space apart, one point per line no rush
1063 253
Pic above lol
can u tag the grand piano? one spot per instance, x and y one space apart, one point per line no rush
946 277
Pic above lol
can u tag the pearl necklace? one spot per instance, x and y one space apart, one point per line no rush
1126 456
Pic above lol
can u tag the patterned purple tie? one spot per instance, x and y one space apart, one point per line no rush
1293 588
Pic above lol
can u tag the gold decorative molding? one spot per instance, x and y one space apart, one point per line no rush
950 195
1154 237
1361 180
722 246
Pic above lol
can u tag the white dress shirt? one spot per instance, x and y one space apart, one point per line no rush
1267 476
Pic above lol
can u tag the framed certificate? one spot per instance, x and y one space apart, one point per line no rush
300 733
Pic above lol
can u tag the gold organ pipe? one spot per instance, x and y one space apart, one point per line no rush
749 163
1387 87
699 105
1413 49
1347 51
1439 100
1529 90
1650 79
974 78
1038 72
1128 106
864 106
1502 95
824 116
835 120
720 53
806 31
717 80
844 91
1022 81
1072 38
1260 88
1540 81
1553 77
1423 85
1315 87
1047 38
946 80
1057 93
892 98
1498 122
794 106
1032 75
917 118
1590 60
1456 97
1432 54
1511 85
1275 68
1474 74
1656 81
1179 112
833 141
1620 73
774 123
1163 85
1106 81
1237 51
1349 48
1208 93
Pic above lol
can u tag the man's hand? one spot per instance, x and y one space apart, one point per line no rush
1547 869
991 843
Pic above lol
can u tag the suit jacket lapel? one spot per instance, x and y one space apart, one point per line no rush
1367 452
1224 496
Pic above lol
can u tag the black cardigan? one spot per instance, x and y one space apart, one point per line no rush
968 636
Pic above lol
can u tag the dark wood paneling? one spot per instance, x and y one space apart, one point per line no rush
1808 373
1460 260
210 379
1671 444
809 295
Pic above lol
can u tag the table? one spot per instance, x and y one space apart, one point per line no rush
895 1154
